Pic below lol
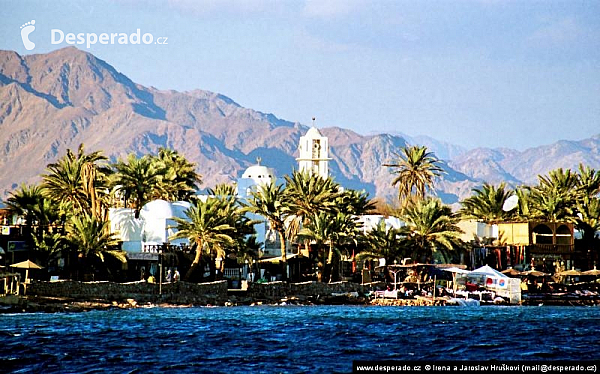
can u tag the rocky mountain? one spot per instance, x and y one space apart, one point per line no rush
55 101
513 167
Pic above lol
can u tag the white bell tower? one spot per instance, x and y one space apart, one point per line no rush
313 153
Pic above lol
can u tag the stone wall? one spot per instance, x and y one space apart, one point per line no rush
214 293
174 293
277 290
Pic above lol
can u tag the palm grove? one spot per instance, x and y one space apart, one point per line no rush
66 215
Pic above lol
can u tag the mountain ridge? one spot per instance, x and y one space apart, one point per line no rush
51 102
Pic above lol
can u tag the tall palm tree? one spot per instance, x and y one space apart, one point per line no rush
270 201
416 169
77 179
136 179
208 229
179 179
430 228
487 203
555 197
306 195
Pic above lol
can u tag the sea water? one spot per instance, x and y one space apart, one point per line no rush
290 338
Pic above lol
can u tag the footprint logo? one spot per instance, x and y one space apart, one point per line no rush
27 29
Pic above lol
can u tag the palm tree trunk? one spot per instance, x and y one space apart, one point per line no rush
320 263
282 246
283 255
330 263
196 262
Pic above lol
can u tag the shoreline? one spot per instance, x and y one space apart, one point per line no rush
47 304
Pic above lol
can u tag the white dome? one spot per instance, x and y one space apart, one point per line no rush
161 209
157 209
258 172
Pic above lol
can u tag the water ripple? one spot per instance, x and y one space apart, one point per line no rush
289 339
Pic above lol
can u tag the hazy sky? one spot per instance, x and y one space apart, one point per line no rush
475 73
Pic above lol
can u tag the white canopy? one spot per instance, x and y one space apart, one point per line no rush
490 272
457 270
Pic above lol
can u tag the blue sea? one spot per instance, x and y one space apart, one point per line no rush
295 339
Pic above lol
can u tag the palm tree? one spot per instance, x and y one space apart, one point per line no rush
77 179
38 211
320 230
269 201
523 194
487 203
430 229
136 179
332 229
555 197
179 179
416 169
346 230
24 200
49 246
588 181
306 195
208 229
588 206
588 219
355 202
92 239
386 243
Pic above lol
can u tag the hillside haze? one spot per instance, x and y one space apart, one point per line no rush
55 101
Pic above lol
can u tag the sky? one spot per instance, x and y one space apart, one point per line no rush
479 73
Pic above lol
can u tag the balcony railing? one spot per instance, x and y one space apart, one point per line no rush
165 248
552 248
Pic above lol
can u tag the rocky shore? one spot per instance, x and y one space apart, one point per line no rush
73 296
45 304
51 297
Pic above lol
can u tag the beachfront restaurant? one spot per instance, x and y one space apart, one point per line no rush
541 245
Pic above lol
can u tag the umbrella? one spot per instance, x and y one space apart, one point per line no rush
571 272
512 272
594 271
26 265
534 273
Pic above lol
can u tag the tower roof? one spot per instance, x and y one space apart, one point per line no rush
313 133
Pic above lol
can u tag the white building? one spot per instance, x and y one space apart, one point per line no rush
153 228
254 176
